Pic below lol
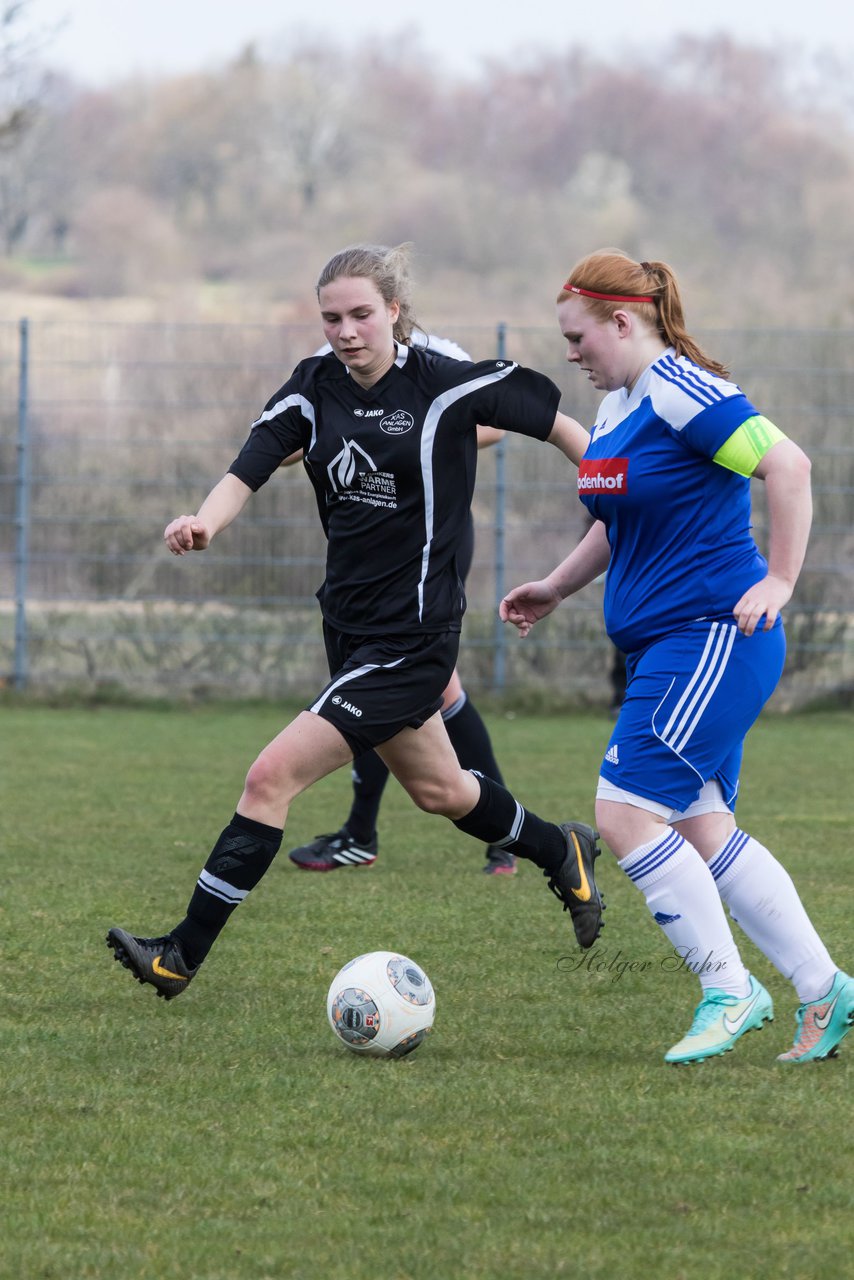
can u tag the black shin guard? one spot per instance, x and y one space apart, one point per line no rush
237 862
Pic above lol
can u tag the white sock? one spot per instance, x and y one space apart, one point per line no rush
682 897
763 900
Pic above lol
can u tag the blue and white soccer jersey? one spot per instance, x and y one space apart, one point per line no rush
682 555
678 524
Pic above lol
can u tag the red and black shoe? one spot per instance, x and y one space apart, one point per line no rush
499 862
334 850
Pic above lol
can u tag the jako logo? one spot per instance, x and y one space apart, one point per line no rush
605 475
397 423
338 701
368 413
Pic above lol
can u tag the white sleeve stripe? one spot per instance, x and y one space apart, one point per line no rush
693 377
702 393
305 407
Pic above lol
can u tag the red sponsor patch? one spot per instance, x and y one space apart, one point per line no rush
603 475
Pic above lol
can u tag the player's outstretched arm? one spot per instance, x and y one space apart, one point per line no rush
785 468
570 437
525 605
194 533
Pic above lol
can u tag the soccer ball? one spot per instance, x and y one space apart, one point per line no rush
381 1004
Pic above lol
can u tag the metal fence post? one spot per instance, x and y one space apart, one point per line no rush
22 509
499 654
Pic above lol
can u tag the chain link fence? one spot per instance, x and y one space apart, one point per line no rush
109 430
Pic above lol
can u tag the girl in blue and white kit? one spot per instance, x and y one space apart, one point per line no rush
696 607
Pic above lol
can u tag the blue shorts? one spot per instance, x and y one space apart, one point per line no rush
690 700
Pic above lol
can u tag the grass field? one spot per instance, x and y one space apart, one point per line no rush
537 1133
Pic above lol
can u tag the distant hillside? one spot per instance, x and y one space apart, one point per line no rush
220 194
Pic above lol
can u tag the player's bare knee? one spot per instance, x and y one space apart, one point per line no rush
432 796
267 781
627 823
621 826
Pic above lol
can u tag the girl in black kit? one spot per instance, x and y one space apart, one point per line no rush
356 842
388 434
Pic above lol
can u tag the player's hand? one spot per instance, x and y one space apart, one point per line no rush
525 605
765 598
186 533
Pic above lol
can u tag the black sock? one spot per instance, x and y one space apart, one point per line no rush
370 775
497 817
237 862
470 738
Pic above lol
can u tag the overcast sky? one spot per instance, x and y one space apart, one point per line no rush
100 41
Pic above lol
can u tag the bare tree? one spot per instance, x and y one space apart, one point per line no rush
711 154
20 86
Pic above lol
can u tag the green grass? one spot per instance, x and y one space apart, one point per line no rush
536 1134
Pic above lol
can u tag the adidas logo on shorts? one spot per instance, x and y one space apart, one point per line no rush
612 755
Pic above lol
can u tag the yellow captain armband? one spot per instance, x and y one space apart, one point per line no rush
748 445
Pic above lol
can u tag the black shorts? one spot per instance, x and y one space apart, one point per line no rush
381 684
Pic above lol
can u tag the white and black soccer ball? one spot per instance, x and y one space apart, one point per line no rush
381 1004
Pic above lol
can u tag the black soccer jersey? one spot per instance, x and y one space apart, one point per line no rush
393 469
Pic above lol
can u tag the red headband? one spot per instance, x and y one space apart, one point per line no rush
607 297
